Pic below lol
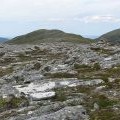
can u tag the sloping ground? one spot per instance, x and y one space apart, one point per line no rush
112 37
59 81
43 35
3 39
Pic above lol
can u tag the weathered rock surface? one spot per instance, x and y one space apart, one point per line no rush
59 81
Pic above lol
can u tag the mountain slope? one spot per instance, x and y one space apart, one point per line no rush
3 39
43 35
112 37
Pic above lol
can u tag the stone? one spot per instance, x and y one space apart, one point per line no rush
71 113
96 106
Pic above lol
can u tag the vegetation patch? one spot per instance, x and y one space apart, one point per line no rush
87 71
12 102
49 36
63 93
78 66
60 95
61 75
6 71
37 66
22 57
102 50
95 71
96 66
105 114
114 72
7 61
83 67
103 101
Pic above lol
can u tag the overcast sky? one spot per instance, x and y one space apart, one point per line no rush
85 17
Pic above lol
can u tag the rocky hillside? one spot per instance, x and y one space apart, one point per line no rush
112 37
60 81
43 35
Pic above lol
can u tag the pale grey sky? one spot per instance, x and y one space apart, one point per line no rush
86 17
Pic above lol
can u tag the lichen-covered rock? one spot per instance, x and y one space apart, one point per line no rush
51 81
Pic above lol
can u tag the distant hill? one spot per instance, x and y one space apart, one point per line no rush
3 39
112 37
91 36
44 35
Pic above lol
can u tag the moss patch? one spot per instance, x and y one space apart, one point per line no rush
6 71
